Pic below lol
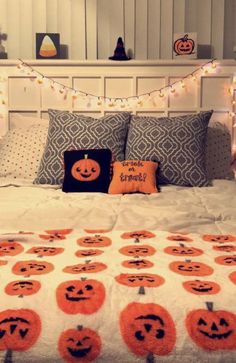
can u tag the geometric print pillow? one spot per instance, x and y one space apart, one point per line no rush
177 143
70 131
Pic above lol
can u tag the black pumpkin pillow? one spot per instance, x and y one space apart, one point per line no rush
87 170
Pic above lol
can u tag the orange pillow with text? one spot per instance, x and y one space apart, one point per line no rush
131 176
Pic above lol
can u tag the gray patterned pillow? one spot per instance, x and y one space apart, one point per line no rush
178 143
69 131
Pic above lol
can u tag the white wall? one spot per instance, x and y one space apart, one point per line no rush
90 28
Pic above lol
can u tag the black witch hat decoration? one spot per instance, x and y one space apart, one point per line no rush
119 52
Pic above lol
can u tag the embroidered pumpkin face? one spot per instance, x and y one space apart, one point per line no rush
139 279
32 267
137 250
138 264
143 234
79 345
55 234
212 330
85 268
183 251
221 238
179 238
46 251
147 328
97 241
229 260
225 248
84 297
10 248
19 329
86 169
232 277
22 287
198 287
88 253
189 268
184 45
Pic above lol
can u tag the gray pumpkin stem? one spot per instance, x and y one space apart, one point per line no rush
141 290
209 305
150 358
8 356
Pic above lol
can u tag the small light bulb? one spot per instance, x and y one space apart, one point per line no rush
183 85
233 102
161 94
213 65
172 90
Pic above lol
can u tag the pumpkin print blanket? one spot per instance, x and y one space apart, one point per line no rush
117 296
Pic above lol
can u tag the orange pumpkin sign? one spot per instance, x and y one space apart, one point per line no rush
32 267
140 279
183 251
46 251
212 329
97 241
10 248
138 264
200 287
86 169
19 329
79 345
147 329
85 297
227 260
88 253
138 250
189 268
22 287
142 234
221 238
88 267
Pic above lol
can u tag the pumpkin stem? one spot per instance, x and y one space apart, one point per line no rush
88 261
136 240
182 245
187 260
141 290
83 278
8 356
209 305
150 358
186 37
86 156
20 295
79 327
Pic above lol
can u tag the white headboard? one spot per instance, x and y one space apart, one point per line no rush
119 80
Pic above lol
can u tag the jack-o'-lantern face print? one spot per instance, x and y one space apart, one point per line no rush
94 241
147 328
189 268
137 250
139 279
88 253
86 169
46 251
225 248
142 234
179 238
220 238
212 330
227 260
198 287
22 287
84 297
183 251
55 234
137 264
79 345
32 267
10 248
88 267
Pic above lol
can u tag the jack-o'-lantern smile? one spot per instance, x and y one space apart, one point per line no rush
80 352
189 268
214 329
23 285
73 295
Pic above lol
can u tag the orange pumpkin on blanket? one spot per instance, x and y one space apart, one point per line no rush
55 234
19 329
88 253
138 264
79 345
45 251
179 238
142 234
212 329
10 248
200 287
232 277
224 248
88 267
183 251
189 268
138 250
147 329
96 241
32 267
221 238
23 287
227 260
140 279
84 296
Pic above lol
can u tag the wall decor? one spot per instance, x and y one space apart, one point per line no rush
185 45
47 45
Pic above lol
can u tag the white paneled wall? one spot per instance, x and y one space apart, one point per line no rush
89 28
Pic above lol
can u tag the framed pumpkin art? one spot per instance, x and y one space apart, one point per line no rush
185 45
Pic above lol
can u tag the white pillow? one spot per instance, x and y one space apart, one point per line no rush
21 150
19 121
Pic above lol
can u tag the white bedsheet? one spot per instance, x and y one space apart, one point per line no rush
201 210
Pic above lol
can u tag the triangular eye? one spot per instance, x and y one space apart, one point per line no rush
223 322
201 322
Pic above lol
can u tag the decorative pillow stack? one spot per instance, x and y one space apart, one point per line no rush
69 131
177 143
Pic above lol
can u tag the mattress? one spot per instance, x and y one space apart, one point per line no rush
131 279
